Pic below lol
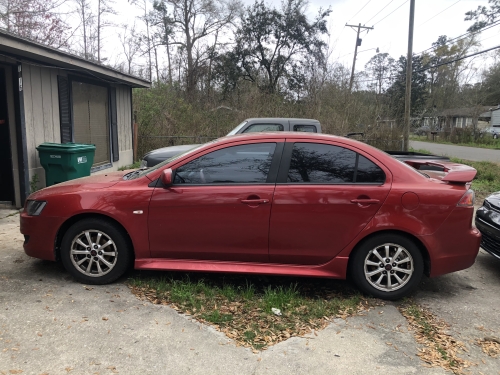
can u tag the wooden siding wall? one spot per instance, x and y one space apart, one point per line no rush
41 108
124 120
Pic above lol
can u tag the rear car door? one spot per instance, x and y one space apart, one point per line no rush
325 195
219 205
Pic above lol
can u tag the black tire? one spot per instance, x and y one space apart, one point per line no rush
372 274
106 259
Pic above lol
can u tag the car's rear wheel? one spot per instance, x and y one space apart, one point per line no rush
387 266
95 251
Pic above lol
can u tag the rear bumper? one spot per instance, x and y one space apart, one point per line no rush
454 246
40 235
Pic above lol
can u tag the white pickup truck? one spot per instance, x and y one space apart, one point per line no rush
272 124
251 125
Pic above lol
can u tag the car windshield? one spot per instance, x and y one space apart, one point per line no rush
237 129
142 172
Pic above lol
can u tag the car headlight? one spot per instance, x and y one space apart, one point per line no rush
144 163
34 208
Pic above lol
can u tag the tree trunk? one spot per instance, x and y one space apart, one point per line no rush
99 31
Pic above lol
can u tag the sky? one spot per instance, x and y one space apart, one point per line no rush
433 18
390 19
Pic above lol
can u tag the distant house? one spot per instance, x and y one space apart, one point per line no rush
47 95
495 116
458 118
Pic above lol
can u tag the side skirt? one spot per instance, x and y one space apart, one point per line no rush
336 268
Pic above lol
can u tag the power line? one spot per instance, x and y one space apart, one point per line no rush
391 13
463 36
439 13
434 66
458 59
360 10
379 11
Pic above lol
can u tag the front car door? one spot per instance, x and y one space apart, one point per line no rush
325 195
219 205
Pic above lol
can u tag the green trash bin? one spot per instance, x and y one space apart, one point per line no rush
65 161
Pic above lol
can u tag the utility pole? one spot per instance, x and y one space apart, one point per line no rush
358 43
406 126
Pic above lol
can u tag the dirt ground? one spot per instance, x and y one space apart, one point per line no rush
50 324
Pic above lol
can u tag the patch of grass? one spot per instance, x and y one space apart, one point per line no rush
440 348
421 150
241 307
136 165
486 142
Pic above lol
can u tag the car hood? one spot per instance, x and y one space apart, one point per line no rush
95 182
494 200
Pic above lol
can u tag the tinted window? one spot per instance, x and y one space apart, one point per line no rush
237 164
327 164
369 171
264 128
319 163
305 128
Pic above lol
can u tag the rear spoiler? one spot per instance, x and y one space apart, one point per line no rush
457 173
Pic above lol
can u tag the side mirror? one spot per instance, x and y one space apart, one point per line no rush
166 177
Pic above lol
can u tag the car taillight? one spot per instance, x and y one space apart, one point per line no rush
467 199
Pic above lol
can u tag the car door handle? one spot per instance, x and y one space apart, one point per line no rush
365 201
255 201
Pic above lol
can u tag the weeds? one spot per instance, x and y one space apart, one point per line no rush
135 165
241 307
34 183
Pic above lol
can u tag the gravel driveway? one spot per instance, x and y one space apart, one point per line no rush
50 324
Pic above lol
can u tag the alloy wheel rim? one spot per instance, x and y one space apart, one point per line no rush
388 267
93 253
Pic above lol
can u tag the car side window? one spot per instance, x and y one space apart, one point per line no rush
369 172
264 128
328 164
305 128
244 164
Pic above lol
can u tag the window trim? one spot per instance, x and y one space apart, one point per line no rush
287 159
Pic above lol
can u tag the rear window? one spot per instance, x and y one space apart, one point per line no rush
305 128
256 128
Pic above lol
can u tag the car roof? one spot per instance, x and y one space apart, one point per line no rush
260 119
296 135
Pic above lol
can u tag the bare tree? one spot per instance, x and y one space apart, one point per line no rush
87 20
193 21
130 44
104 7
143 7
38 20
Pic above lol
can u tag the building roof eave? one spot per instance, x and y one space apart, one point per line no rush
27 51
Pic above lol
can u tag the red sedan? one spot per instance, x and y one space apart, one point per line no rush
270 203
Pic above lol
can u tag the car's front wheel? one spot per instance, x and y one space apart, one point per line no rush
95 251
387 266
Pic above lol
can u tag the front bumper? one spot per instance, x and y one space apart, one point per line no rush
490 241
40 235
